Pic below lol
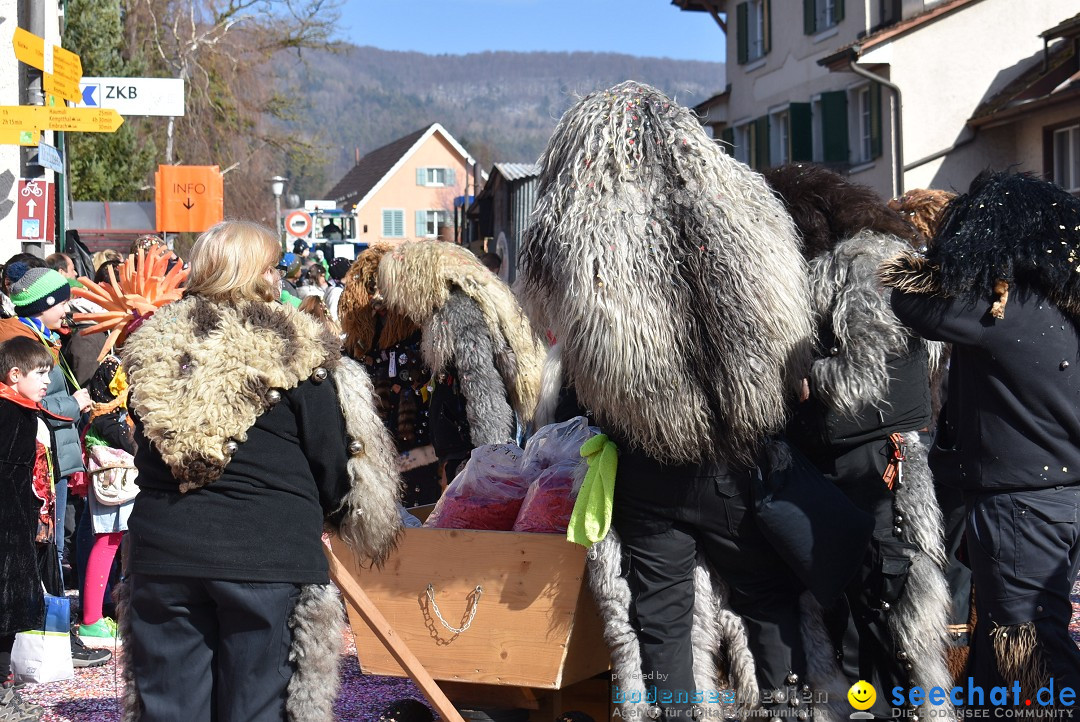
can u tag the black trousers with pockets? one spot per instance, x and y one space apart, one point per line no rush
205 650
665 515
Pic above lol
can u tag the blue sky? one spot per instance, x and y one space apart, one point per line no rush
653 28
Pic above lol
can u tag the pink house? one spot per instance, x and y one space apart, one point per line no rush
407 188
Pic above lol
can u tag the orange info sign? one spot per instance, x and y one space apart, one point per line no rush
190 198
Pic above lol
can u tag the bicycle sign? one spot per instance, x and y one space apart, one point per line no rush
36 211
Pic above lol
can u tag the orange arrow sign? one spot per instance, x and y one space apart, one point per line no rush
63 77
29 48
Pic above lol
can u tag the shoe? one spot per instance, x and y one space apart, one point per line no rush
103 628
14 708
83 656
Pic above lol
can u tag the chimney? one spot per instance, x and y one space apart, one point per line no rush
357 154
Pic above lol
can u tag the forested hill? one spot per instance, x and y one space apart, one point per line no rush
502 106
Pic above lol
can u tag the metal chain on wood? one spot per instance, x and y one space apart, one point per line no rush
472 612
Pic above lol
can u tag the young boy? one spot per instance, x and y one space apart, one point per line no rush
26 502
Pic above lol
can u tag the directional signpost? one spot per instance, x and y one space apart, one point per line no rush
189 197
134 96
62 68
43 117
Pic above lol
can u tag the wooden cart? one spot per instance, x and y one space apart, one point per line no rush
499 619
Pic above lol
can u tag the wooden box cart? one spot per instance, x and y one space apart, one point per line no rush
499 619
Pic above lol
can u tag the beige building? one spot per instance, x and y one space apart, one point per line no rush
892 92
409 188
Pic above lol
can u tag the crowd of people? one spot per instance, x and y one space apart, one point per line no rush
836 417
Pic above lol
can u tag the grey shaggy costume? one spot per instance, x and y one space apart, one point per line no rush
236 355
671 277
854 375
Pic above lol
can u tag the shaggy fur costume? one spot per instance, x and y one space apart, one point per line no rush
670 276
361 303
234 356
923 209
431 283
848 232
968 257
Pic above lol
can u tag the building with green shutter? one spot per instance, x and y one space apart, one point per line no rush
896 93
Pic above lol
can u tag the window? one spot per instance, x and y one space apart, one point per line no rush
435 177
780 124
819 15
429 223
863 95
1066 151
866 103
753 29
393 223
742 143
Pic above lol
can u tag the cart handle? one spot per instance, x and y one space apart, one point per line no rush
475 595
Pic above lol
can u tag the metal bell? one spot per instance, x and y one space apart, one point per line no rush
319 375
792 678
231 447
356 447
898 519
901 655
885 606
273 396
898 530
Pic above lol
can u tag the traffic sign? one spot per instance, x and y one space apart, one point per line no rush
49 157
42 117
35 205
298 223
134 96
12 136
189 197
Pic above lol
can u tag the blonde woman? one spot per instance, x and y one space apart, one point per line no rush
252 433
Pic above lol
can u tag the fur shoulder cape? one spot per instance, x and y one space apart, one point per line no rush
417 279
848 297
224 359
358 308
1009 228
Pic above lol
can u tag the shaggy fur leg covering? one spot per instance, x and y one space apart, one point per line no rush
131 704
1016 651
316 622
919 622
551 383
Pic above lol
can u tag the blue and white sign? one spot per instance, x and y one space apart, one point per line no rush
49 157
134 96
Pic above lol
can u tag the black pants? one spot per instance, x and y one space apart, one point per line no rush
1024 550
206 650
957 573
665 515
858 623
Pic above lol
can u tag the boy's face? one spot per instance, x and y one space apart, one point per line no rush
32 385
54 317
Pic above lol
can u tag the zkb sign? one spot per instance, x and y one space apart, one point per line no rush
134 96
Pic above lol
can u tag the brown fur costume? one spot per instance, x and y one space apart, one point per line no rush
361 303
923 209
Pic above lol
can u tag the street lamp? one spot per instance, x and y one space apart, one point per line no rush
277 185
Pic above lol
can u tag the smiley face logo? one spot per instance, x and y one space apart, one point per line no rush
862 695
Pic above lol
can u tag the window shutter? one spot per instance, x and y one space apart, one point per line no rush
387 223
767 40
761 143
742 17
399 224
421 176
421 223
809 17
801 132
451 176
875 120
838 11
834 126
727 135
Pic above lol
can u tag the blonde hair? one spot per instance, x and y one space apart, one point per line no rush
229 261
102 257
315 306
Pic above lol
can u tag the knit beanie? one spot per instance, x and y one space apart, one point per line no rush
36 290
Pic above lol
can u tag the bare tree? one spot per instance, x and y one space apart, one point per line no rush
235 112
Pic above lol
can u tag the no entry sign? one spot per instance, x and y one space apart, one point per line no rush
298 223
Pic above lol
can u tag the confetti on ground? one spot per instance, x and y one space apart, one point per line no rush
93 696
